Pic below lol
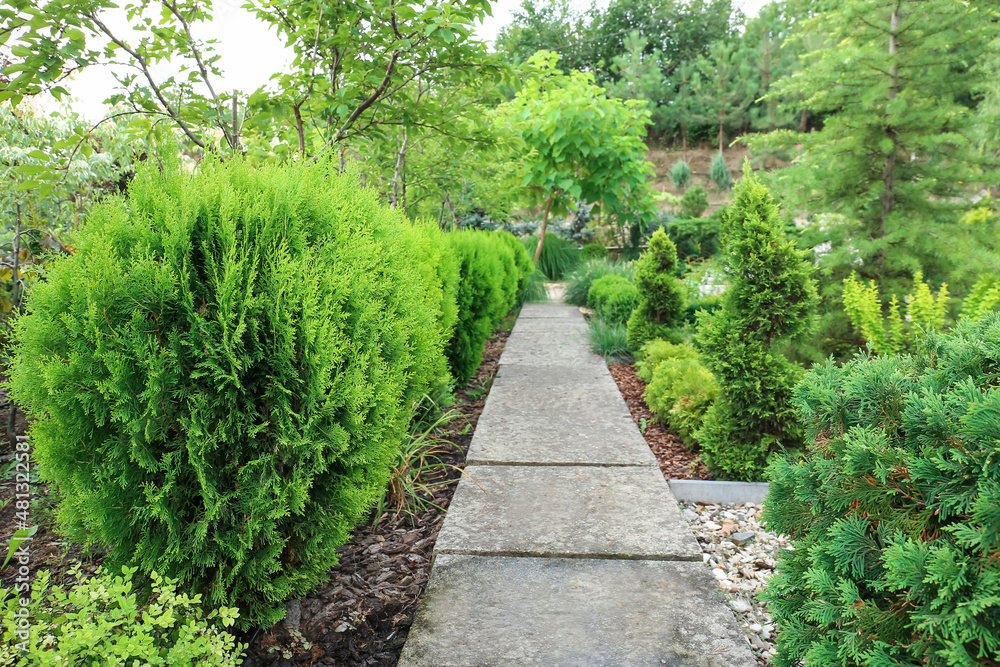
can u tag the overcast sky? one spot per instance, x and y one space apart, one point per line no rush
250 53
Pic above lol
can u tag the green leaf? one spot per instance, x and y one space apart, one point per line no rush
18 538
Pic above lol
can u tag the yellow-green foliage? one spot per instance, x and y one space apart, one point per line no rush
220 376
890 334
655 351
984 297
490 270
681 389
100 622
613 298
771 299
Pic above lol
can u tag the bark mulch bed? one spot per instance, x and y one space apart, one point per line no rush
675 459
361 617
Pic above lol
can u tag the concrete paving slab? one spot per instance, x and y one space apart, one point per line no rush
557 415
531 310
490 611
549 325
571 511
540 348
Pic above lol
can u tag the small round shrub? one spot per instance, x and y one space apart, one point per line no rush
579 281
680 392
694 202
655 351
613 298
220 375
99 622
593 251
680 174
661 297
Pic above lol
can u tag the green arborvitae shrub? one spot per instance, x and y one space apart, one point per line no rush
694 202
719 172
613 298
99 622
583 276
680 174
661 297
593 251
680 393
771 299
558 257
220 375
522 261
695 238
655 351
895 511
488 282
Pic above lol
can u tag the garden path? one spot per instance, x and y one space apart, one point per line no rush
563 544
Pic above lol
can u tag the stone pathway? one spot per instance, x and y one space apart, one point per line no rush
563 544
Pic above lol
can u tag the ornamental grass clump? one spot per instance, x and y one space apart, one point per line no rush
895 511
661 297
221 374
771 298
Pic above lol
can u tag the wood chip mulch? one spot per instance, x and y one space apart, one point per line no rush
675 459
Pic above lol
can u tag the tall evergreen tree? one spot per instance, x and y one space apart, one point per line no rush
724 87
896 153
771 298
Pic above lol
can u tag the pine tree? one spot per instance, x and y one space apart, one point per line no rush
661 299
771 298
897 151
723 87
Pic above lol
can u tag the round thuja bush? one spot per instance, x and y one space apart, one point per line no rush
219 377
894 512
593 251
583 276
613 298
661 297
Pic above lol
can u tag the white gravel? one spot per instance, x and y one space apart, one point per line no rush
742 553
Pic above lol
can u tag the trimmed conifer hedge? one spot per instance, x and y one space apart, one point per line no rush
895 513
220 376
491 270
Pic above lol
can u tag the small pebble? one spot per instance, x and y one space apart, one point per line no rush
742 559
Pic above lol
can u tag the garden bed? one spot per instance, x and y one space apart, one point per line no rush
362 615
675 459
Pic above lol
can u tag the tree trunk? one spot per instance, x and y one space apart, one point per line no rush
804 120
300 129
889 169
545 224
